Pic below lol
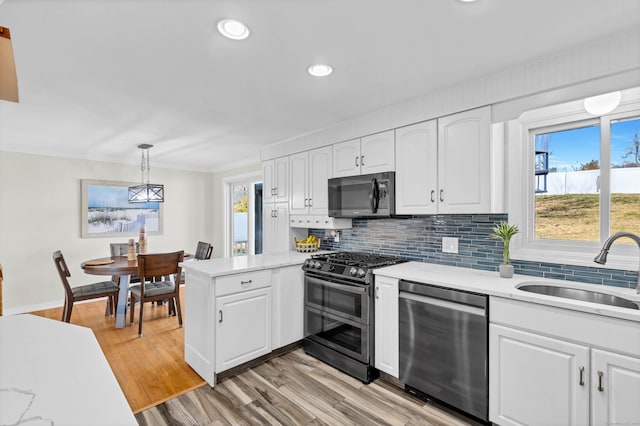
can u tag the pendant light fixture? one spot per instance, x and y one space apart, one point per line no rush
8 77
146 192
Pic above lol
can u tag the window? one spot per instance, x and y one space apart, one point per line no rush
574 180
244 216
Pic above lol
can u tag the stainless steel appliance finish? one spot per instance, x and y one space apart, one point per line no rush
579 294
444 345
370 195
338 310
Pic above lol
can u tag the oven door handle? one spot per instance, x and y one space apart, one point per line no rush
345 287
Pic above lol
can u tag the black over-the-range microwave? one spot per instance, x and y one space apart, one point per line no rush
370 195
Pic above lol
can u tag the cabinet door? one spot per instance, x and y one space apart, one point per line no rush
346 158
268 185
378 153
287 306
464 166
275 228
281 179
386 325
320 168
299 170
243 327
615 387
536 380
417 168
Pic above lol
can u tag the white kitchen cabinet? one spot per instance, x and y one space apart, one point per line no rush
243 327
275 175
369 154
310 172
444 165
464 162
417 168
386 294
275 228
537 380
287 289
615 388
549 365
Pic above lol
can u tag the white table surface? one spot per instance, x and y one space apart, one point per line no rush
54 373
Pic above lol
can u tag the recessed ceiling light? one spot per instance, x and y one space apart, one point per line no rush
233 29
320 70
467 1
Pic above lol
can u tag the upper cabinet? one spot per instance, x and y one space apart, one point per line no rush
417 168
445 165
369 154
276 180
310 172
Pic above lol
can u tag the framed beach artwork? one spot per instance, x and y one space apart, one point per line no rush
106 211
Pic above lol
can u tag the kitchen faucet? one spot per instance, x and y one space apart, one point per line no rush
602 257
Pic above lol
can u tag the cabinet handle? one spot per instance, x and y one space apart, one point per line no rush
274 191
581 382
357 161
246 282
310 202
306 202
433 194
275 213
220 315
377 295
442 195
362 160
600 388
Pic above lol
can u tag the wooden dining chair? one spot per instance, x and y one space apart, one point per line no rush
158 274
107 289
203 251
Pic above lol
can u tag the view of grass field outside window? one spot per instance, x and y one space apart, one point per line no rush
568 190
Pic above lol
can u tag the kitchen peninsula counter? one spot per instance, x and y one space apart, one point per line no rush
233 265
241 308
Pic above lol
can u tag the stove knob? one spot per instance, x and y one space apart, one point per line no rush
317 265
361 273
353 271
306 263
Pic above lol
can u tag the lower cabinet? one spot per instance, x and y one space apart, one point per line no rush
614 396
243 327
288 306
553 366
536 380
386 325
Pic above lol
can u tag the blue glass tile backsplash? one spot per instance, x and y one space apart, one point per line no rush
419 238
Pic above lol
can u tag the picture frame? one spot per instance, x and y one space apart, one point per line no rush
106 211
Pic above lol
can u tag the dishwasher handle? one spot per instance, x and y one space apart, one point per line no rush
460 307
445 294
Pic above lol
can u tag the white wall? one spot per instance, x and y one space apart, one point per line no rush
40 213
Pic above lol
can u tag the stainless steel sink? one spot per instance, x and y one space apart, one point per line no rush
580 294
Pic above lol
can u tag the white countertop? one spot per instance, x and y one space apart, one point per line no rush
52 372
234 265
490 283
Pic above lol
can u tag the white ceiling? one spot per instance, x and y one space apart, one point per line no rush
98 77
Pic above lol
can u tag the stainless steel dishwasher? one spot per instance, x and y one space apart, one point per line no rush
444 345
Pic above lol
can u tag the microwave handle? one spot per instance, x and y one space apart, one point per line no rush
374 195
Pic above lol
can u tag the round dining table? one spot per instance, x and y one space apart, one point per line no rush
115 266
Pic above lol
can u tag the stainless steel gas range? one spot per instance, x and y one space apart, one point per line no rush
339 310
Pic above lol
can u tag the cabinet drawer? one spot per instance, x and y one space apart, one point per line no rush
237 283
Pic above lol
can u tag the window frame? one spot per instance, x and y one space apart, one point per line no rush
249 179
521 187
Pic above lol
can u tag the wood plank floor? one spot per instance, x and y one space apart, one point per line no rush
151 369
292 389
296 389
